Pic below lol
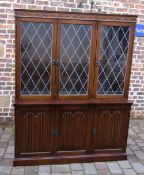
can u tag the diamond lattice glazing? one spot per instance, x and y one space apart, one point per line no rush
113 59
74 59
36 58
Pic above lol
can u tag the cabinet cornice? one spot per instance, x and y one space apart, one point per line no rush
19 13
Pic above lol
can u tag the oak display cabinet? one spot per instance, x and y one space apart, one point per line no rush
72 81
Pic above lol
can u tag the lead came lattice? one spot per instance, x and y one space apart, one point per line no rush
113 59
36 58
74 58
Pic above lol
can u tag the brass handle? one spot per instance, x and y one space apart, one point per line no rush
97 63
55 132
55 62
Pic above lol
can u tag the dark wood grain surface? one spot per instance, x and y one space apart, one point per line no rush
51 129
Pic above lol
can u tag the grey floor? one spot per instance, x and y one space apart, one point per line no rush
134 164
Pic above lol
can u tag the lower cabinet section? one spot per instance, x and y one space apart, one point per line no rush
49 134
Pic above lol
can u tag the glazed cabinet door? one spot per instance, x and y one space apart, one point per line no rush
113 59
35 129
111 127
75 58
74 126
35 54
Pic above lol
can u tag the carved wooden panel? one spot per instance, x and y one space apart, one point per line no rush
110 125
74 126
33 130
70 15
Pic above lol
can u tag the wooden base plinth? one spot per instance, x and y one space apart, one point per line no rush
69 159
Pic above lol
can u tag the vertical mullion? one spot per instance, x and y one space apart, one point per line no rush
92 61
96 69
57 58
54 55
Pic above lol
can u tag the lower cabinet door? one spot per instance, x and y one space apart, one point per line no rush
111 127
35 129
74 125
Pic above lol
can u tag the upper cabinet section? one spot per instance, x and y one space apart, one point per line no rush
63 55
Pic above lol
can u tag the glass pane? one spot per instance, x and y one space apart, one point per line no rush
74 59
36 57
113 60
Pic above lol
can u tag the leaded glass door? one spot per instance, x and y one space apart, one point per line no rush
112 59
75 58
36 53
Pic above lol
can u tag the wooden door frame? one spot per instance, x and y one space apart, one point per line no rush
124 96
91 60
18 59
